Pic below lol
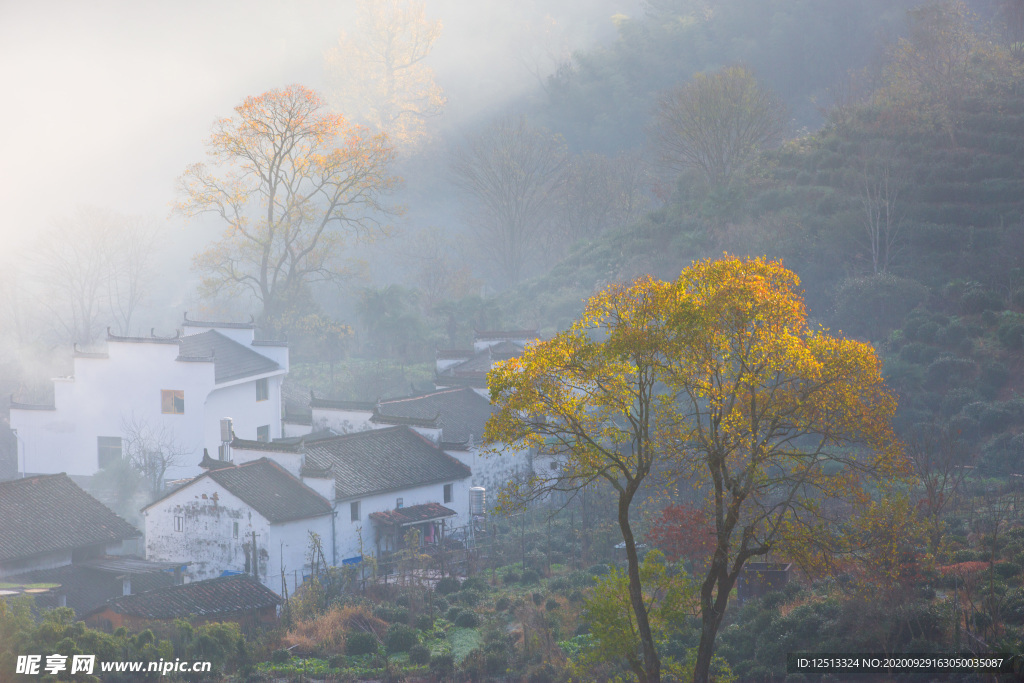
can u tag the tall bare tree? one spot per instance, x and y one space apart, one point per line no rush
879 185
513 172
94 269
378 75
717 123
151 449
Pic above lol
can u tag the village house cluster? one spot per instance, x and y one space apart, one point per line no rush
252 480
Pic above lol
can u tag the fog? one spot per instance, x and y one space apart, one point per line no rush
107 102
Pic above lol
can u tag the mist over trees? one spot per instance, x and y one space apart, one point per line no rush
861 161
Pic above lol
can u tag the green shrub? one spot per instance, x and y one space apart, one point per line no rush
510 577
502 603
467 619
442 666
469 598
598 570
440 604
474 584
538 598
979 300
399 638
551 604
360 643
280 656
453 614
424 622
529 576
1011 334
447 585
402 600
391 613
419 654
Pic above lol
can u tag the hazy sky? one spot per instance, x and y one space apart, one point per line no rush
106 102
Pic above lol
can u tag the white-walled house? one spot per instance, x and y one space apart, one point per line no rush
181 385
453 418
232 514
469 367
375 471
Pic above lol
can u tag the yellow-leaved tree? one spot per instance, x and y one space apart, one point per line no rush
291 181
717 380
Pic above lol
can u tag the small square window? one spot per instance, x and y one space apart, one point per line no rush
353 509
262 389
263 433
108 450
399 504
448 493
179 523
553 465
172 401
234 529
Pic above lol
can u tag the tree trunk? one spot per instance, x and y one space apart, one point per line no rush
652 665
712 611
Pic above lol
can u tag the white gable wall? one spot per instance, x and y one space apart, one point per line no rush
208 513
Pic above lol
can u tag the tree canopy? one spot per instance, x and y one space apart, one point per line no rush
715 380
291 180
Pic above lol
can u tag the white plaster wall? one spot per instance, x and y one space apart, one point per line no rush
493 471
348 531
238 401
292 462
290 429
342 421
106 391
102 394
207 541
322 485
45 561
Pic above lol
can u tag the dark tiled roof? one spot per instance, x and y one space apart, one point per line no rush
505 334
87 587
268 446
460 412
208 463
453 354
480 362
266 487
505 350
380 460
48 513
318 435
477 380
251 325
231 360
224 595
413 514
272 491
30 406
315 402
430 422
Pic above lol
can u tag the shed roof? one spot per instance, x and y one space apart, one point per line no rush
414 514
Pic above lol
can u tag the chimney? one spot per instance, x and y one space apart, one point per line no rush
126 585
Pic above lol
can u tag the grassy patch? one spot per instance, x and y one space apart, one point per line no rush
464 641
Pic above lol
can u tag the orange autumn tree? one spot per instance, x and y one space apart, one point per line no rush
715 379
292 182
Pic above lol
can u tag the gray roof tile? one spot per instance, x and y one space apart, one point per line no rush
231 360
49 513
381 460
460 412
